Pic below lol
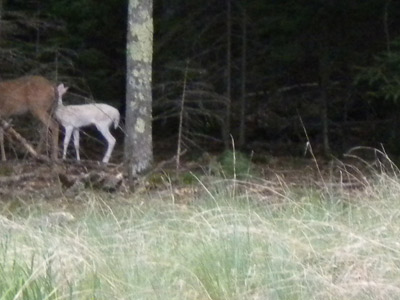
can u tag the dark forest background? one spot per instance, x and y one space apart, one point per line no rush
266 71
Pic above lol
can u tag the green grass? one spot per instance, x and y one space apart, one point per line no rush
233 240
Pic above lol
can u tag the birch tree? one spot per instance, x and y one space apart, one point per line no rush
138 153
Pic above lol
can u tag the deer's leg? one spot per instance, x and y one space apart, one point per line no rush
3 152
55 140
49 122
54 128
105 131
67 138
44 140
76 142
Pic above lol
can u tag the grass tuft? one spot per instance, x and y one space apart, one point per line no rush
234 239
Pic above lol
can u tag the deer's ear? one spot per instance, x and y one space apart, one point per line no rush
62 89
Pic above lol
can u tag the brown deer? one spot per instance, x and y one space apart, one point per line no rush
34 94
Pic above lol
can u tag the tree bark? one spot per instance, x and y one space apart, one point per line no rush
226 129
242 128
1 18
138 152
324 72
386 25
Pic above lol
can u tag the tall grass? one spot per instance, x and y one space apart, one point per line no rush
234 240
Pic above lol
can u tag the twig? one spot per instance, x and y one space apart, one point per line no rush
310 149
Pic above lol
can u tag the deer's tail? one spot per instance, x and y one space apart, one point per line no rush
116 121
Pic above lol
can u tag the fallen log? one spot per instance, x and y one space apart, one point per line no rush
5 180
93 179
11 131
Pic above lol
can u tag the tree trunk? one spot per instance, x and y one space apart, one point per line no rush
1 18
138 149
386 24
242 128
324 72
226 127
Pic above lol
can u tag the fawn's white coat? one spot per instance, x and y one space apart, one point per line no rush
73 117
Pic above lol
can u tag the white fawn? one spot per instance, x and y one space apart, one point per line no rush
34 94
73 117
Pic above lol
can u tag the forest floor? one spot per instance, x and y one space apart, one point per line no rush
47 180
30 178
